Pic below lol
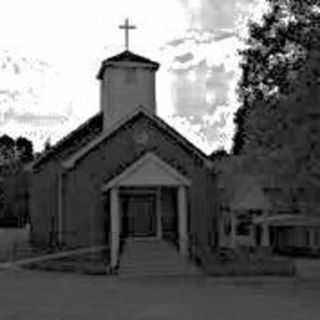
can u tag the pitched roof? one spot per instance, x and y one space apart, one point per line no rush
147 166
86 131
289 220
82 152
126 56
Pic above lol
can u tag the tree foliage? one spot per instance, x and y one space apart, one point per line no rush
278 51
279 117
13 180
15 151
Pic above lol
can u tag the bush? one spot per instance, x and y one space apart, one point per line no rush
236 263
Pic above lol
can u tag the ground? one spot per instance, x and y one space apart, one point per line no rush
64 296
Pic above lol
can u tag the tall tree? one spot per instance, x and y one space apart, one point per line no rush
7 149
24 149
279 120
277 52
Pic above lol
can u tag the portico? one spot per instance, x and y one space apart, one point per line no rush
137 207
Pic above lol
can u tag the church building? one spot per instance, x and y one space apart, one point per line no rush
124 173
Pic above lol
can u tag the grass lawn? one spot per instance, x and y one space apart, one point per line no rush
38 295
244 261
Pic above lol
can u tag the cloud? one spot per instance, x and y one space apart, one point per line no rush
204 66
217 14
33 97
199 39
184 58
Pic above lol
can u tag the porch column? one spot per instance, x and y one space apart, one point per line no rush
60 208
115 227
183 220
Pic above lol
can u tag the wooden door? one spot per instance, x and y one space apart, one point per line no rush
139 216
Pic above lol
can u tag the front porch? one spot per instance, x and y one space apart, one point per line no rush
147 200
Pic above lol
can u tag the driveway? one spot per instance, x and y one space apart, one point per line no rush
41 295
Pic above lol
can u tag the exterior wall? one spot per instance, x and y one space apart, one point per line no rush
83 220
169 213
84 213
124 89
43 206
43 203
203 209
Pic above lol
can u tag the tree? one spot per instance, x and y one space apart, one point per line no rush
277 52
13 180
279 119
47 144
24 149
15 152
7 149
218 154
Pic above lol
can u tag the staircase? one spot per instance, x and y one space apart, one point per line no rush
154 258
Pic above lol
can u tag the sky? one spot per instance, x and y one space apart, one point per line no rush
51 51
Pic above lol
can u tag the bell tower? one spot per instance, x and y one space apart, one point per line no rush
127 81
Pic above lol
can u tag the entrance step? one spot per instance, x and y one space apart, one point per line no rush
154 258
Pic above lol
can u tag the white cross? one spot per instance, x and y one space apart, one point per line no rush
127 27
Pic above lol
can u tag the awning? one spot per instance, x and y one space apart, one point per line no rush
288 220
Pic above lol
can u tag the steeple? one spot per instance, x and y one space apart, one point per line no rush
127 81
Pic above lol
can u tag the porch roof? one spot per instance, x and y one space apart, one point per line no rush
288 220
149 170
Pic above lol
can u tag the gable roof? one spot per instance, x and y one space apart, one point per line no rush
152 170
125 57
82 152
92 127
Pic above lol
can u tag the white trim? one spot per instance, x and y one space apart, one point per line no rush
71 161
288 219
130 64
180 179
183 221
115 228
159 214
30 166
60 207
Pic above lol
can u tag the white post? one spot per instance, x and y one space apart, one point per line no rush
159 214
182 220
60 207
115 227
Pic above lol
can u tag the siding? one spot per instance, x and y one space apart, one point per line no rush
84 215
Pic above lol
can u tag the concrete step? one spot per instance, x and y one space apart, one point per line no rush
154 258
